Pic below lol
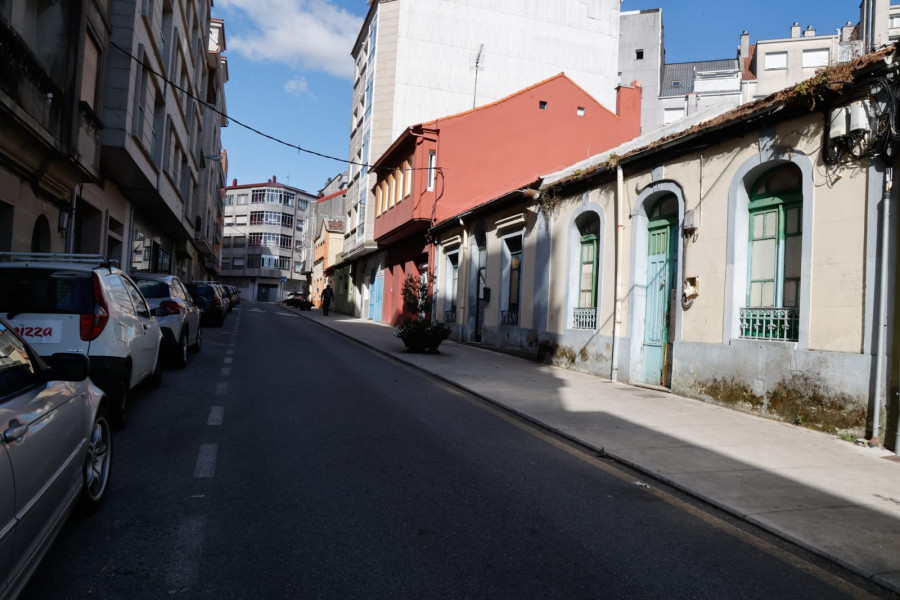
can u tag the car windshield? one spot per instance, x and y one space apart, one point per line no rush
45 291
153 289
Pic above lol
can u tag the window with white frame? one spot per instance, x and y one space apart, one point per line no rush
773 287
432 164
670 115
407 167
815 58
775 60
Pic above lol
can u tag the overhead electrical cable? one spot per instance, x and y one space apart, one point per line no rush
242 124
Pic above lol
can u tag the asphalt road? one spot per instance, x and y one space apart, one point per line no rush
286 461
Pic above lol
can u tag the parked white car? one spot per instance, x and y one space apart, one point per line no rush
177 314
57 452
84 303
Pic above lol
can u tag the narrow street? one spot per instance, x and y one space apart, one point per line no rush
286 461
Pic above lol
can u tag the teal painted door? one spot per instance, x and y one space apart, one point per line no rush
372 294
376 295
660 278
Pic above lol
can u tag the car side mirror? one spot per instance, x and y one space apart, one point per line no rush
69 366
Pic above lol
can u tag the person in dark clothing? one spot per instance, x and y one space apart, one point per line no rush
327 298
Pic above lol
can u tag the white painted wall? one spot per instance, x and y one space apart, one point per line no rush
525 41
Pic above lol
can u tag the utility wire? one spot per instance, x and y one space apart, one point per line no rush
233 120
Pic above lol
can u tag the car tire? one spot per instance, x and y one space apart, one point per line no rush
196 347
155 379
119 415
181 355
97 464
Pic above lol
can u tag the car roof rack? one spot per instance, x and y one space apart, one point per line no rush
87 259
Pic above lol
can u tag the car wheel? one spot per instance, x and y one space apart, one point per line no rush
97 464
155 379
181 357
196 347
120 402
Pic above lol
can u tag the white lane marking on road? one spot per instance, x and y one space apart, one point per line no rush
216 415
206 460
221 389
230 350
228 360
226 371
186 555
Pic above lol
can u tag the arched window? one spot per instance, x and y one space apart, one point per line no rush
585 313
773 286
40 235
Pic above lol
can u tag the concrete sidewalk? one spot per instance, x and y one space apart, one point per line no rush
837 499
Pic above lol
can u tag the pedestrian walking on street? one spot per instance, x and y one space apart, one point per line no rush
327 297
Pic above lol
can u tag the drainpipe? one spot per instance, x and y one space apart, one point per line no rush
70 224
881 352
620 226
463 294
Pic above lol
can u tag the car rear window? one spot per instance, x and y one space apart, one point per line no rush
45 291
197 289
153 289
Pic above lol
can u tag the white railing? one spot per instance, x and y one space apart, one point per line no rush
776 324
584 318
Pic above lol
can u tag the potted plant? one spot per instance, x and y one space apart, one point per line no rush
419 334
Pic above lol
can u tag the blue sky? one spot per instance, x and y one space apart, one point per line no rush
290 71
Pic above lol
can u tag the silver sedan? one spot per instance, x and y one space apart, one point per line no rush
57 450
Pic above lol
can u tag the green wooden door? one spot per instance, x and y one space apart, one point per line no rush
662 259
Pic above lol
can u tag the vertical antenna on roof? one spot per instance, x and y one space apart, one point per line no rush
479 65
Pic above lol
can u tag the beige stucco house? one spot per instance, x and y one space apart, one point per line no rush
738 257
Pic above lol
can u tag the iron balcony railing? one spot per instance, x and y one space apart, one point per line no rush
509 317
776 324
585 318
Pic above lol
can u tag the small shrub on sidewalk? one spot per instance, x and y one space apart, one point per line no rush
417 331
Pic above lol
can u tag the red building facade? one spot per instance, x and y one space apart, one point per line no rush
435 171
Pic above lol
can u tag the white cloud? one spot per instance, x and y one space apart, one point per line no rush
298 87
313 34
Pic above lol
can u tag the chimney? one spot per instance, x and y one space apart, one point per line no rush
234 183
745 46
810 32
795 30
847 31
274 179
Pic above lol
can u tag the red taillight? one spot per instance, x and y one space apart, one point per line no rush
92 324
215 301
171 306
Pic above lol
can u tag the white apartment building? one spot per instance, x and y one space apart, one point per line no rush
772 65
264 249
416 61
